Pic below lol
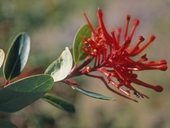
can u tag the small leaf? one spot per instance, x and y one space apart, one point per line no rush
91 94
60 68
6 124
2 56
22 93
78 54
59 103
17 56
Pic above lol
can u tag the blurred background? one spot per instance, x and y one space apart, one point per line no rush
52 25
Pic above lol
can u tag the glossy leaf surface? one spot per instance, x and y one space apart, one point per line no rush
17 56
22 93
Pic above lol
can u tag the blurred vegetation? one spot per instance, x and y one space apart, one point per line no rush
52 25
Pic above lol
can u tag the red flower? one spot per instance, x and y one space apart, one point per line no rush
114 60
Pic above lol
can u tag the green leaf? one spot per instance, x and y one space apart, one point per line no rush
6 124
22 93
78 54
60 68
17 56
91 94
59 103
2 56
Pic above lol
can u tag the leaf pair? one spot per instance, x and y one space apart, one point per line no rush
19 94
59 70
24 92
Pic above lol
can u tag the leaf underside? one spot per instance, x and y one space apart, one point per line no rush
2 57
60 68
6 124
92 94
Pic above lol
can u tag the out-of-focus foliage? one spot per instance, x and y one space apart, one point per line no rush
6 124
59 103
31 16
28 15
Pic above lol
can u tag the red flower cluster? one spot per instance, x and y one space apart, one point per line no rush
113 59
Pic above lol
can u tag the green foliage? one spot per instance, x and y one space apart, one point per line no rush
17 56
22 93
59 103
91 94
19 94
6 124
60 68
78 54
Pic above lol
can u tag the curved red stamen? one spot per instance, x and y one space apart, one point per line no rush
126 26
114 61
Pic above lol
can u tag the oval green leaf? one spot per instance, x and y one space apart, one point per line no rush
6 124
22 93
2 57
78 54
17 56
60 68
91 94
59 103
